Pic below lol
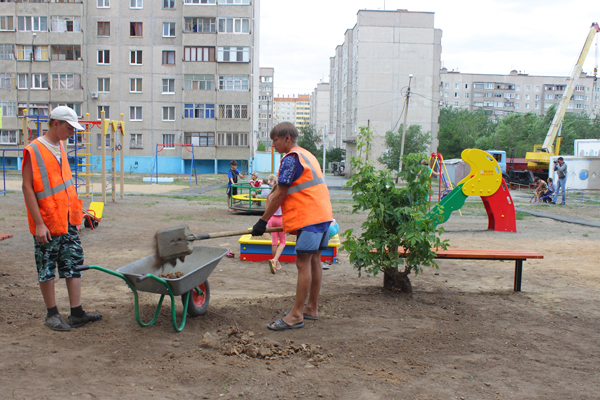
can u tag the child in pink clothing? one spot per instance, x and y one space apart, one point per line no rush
277 238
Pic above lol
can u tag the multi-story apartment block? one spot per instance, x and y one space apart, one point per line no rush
265 104
369 76
516 92
181 72
319 111
293 109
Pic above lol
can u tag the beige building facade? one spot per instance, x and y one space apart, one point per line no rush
319 112
369 76
181 73
265 104
295 109
516 92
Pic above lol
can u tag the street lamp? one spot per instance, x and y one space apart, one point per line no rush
29 78
404 125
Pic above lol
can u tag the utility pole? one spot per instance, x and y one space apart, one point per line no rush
324 141
404 125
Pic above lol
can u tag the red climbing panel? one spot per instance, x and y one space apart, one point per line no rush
500 210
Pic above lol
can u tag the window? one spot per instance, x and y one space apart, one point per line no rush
66 52
8 137
168 29
9 109
199 82
527 97
199 1
233 54
466 86
537 96
579 88
103 4
168 86
107 141
75 106
445 94
135 57
136 28
466 104
456 86
537 88
488 85
265 79
467 95
104 57
200 139
135 113
478 85
7 52
169 4
39 53
199 25
233 111
135 85
34 109
31 23
168 57
168 114
66 81
104 85
38 81
199 111
136 4
526 105
537 106
103 28
200 54
232 139
234 1
7 23
65 24
528 87
7 81
234 25
106 110
517 105
169 140
136 141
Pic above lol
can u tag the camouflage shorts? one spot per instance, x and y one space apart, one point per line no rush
64 250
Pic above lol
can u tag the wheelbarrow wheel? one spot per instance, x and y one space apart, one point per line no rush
198 302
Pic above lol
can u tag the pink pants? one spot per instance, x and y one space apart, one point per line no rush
276 237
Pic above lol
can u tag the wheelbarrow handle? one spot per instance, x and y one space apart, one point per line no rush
141 278
80 268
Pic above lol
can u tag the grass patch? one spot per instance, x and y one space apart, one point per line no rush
521 215
19 214
186 217
1 218
150 203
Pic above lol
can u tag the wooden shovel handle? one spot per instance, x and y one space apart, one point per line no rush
203 236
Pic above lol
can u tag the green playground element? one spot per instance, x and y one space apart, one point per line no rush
451 202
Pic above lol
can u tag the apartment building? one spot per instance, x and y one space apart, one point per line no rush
369 75
295 109
319 111
265 104
516 92
181 72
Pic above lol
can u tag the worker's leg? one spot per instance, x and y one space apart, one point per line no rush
303 285
312 307
564 193
47 289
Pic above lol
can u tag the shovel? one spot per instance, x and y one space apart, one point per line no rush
176 242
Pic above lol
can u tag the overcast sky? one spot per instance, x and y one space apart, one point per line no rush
297 37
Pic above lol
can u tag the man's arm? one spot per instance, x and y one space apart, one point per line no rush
42 234
562 168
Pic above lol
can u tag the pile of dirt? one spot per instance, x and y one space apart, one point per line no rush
243 344
171 275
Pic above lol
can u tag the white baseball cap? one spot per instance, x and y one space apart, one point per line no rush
64 113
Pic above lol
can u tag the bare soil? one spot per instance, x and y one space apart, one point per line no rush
465 334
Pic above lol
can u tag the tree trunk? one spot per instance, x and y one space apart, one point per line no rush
397 281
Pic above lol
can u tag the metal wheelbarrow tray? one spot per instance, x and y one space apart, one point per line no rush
142 275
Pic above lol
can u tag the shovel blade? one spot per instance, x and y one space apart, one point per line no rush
173 243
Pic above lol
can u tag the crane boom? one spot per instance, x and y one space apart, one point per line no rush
540 157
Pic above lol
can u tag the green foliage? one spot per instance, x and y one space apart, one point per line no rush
461 129
261 146
336 154
415 141
307 139
396 216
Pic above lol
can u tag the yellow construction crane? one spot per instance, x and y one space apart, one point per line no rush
539 158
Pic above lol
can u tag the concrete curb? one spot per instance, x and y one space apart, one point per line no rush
561 218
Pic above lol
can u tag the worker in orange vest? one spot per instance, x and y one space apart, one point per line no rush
54 214
304 200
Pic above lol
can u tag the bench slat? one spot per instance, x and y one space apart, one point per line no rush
484 254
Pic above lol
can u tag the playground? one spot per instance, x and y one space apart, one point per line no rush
465 334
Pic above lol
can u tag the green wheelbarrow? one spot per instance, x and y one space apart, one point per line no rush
193 286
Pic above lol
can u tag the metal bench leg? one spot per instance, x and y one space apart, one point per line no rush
518 274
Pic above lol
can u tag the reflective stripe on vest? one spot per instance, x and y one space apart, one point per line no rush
313 182
48 191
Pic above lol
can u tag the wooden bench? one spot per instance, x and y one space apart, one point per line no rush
485 254
4 237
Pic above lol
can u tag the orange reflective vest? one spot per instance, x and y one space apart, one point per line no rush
307 201
54 190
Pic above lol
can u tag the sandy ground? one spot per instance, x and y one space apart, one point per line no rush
464 335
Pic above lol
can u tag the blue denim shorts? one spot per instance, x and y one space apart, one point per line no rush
311 242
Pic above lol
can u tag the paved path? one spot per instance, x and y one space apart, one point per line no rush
561 218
